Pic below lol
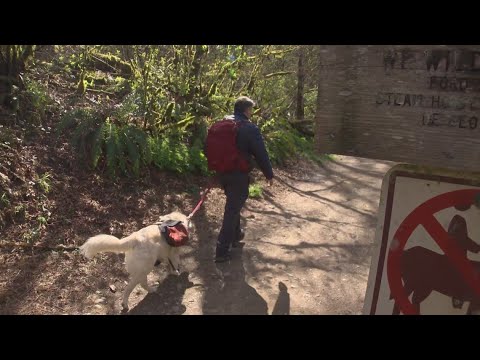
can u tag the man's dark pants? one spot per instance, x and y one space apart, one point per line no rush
235 186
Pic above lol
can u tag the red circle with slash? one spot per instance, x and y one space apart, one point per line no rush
424 215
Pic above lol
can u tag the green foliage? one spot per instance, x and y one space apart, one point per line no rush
42 221
255 191
177 157
39 95
13 61
120 86
108 63
45 182
198 159
284 142
20 210
35 102
172 94
4 201
127 149
83 125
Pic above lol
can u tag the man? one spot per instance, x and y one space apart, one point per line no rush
235 184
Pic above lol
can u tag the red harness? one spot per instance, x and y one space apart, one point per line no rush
175 233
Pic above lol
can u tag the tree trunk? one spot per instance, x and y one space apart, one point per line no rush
300 111
13 59
200 51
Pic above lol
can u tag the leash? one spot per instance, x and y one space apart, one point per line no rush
202 199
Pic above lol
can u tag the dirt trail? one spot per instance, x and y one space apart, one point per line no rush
307 251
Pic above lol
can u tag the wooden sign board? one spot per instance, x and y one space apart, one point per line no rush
412 103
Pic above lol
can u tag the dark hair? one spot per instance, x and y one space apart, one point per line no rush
242 104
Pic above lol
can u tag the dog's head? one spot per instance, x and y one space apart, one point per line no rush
178 216
174 256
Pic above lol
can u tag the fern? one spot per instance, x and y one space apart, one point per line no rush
286 143
132 150
127 148
98 142
139 137
121 149
181 158
198 160
69 120
83 125
111 148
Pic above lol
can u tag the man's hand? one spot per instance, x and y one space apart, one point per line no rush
270 182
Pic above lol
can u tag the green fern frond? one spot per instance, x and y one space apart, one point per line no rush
67 121
111 147
121 149
132 150
98 141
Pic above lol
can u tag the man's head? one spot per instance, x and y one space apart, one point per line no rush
244 105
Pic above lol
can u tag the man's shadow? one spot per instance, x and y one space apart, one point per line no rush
167 299
282 306
230 294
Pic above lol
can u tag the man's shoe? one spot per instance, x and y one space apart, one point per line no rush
238 245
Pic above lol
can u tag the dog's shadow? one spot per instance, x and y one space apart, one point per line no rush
167 299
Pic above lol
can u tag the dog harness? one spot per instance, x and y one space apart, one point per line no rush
174 232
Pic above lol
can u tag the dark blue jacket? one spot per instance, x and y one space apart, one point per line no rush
250 143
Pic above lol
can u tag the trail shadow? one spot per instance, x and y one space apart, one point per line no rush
335 258
20 285
167 299
321 198
231 294
282 305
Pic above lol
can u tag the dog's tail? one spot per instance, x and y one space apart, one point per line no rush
106 243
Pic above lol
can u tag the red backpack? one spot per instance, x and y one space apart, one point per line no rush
221 147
